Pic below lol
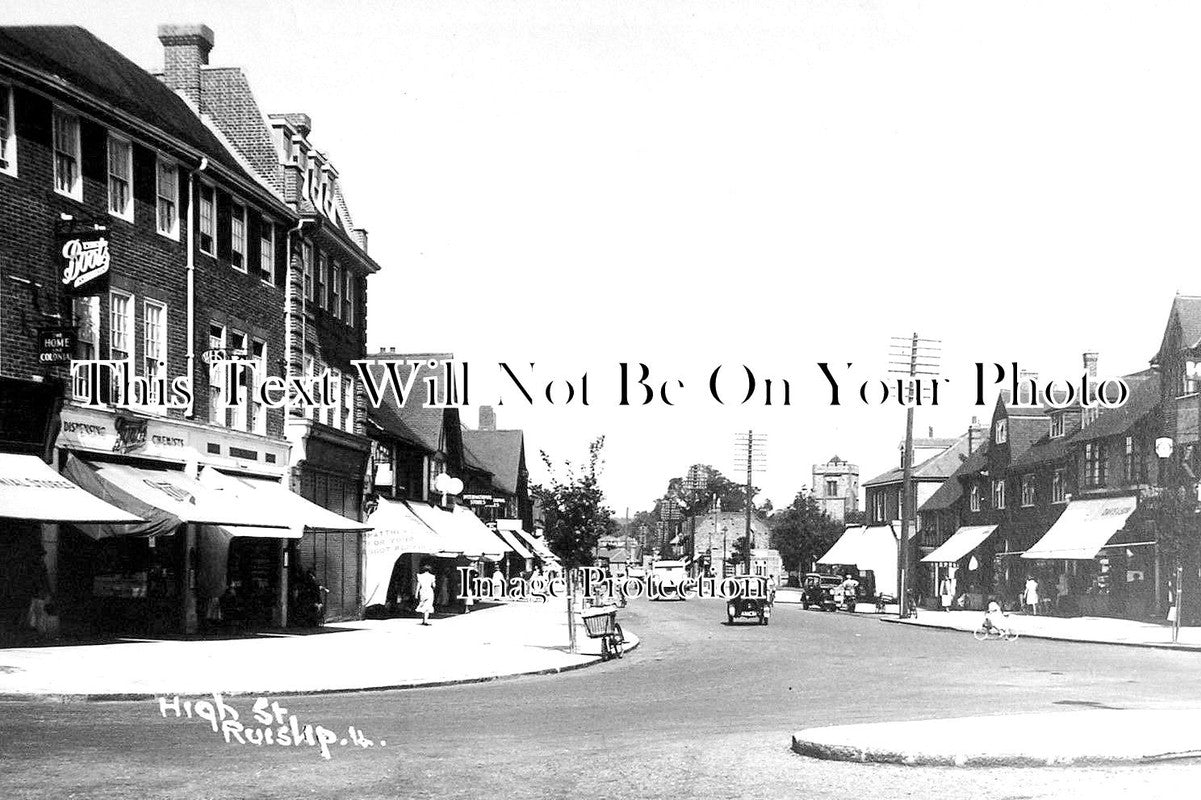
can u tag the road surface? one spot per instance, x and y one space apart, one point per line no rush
702 709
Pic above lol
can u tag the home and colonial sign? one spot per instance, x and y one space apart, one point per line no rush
85 261
56 345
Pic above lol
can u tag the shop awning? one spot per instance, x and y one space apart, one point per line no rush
287 507
1083 529
31 489
512 541
873 548
473 540
164 499
962 542
396 530
537 545
844 550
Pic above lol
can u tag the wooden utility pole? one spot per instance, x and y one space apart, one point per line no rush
912 367
751 450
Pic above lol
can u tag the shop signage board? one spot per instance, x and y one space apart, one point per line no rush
84 260
56 345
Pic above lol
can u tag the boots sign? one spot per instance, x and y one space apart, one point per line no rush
85 261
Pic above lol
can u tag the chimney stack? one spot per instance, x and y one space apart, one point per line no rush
185 50
931 429
1027 386
360 238
1090 364
975 435
487 418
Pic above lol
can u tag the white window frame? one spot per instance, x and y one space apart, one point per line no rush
259 422
171 230
147 341
974 497
347 296
127 212
1001 431
211 205
1059 489
335 289
321 288
998 494
216 378
1028 491
87 341
8 132
58 116
235 220
347 410
238 416
333 414
267 252
129 318
307 255
1057 426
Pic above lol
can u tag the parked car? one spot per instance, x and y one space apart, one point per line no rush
818 591
667 574
755 599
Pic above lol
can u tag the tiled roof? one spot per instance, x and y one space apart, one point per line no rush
500 452
952 488
226 97
938 467
72 55
1187 311
1143 400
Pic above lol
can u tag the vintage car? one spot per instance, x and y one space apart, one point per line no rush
817 591
667 575
754 599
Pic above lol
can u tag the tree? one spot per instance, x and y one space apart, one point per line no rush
803 532
738 554
576 516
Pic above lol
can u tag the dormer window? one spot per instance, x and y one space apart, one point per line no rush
1188 380
1001 431
1056 426
1088 416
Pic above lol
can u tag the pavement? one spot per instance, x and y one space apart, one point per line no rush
1020 740
1097 630
493 642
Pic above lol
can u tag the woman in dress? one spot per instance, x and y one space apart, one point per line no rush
425 593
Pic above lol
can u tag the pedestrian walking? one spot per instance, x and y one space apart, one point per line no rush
946 593
425 593
1030 596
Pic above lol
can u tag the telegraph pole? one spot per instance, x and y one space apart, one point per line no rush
751 454
909 350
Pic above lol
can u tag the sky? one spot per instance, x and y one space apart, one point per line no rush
692 184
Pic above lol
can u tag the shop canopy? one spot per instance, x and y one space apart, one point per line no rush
396 530
873 548
463 531
1083 529
164 499
508 529
286 507
537 545
962 542
31 489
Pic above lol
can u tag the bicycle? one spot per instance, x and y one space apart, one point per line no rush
984 633
601 623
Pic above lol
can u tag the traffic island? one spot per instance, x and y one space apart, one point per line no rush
1079 738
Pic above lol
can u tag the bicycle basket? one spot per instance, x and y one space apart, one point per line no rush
602 622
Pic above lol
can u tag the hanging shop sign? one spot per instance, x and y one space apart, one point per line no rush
131 434
56 345
85 261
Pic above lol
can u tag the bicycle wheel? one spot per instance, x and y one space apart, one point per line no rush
1011 636
981 634
619 640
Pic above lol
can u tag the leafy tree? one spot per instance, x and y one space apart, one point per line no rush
574 505
803 532
738 554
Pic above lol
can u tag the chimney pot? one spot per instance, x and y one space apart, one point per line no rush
487 418
1090 364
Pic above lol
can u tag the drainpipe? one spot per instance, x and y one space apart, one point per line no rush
285 552
191 268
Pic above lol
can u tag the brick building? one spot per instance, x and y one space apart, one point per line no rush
124 217
324 304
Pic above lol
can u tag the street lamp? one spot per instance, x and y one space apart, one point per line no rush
1164 447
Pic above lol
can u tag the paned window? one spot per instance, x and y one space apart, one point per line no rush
1001 431
67 179
974 498
120 337
348 298
167 188
154 346
258 411
237 236
120 177
8 137
1027 490
216 376
267 252
208 221
1059 491
998 494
